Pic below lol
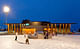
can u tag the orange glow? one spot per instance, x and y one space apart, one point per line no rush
49 28
45 28
27 31
8 28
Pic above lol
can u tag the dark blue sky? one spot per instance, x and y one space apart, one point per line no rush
60 11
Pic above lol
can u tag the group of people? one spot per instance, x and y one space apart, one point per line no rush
48 34
25 36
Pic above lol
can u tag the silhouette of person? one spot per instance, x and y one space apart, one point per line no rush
16 36
27 40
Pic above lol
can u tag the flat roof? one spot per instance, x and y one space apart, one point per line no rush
44 22
51 23
63 23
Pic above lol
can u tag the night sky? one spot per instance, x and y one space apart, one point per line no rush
55 11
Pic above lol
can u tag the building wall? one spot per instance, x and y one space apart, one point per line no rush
38 28
36 23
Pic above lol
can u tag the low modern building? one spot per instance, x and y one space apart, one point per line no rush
33 27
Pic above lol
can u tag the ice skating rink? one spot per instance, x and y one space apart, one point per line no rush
59 42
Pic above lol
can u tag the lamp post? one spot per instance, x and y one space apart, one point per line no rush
6 10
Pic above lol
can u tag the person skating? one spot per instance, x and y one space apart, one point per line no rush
46 35
16 36
27 40
25 35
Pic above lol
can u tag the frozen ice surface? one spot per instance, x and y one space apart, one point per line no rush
59 42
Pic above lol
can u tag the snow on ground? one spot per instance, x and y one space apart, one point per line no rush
59 42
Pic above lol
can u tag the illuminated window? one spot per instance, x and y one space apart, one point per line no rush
27 24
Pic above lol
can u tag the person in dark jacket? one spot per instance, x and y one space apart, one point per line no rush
27 40
46 35
16 36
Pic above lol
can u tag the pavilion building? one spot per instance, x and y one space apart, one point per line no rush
28 26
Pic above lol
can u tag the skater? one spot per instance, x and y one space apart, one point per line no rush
24 34
29 35
16 36
27 40
46 35
53 34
